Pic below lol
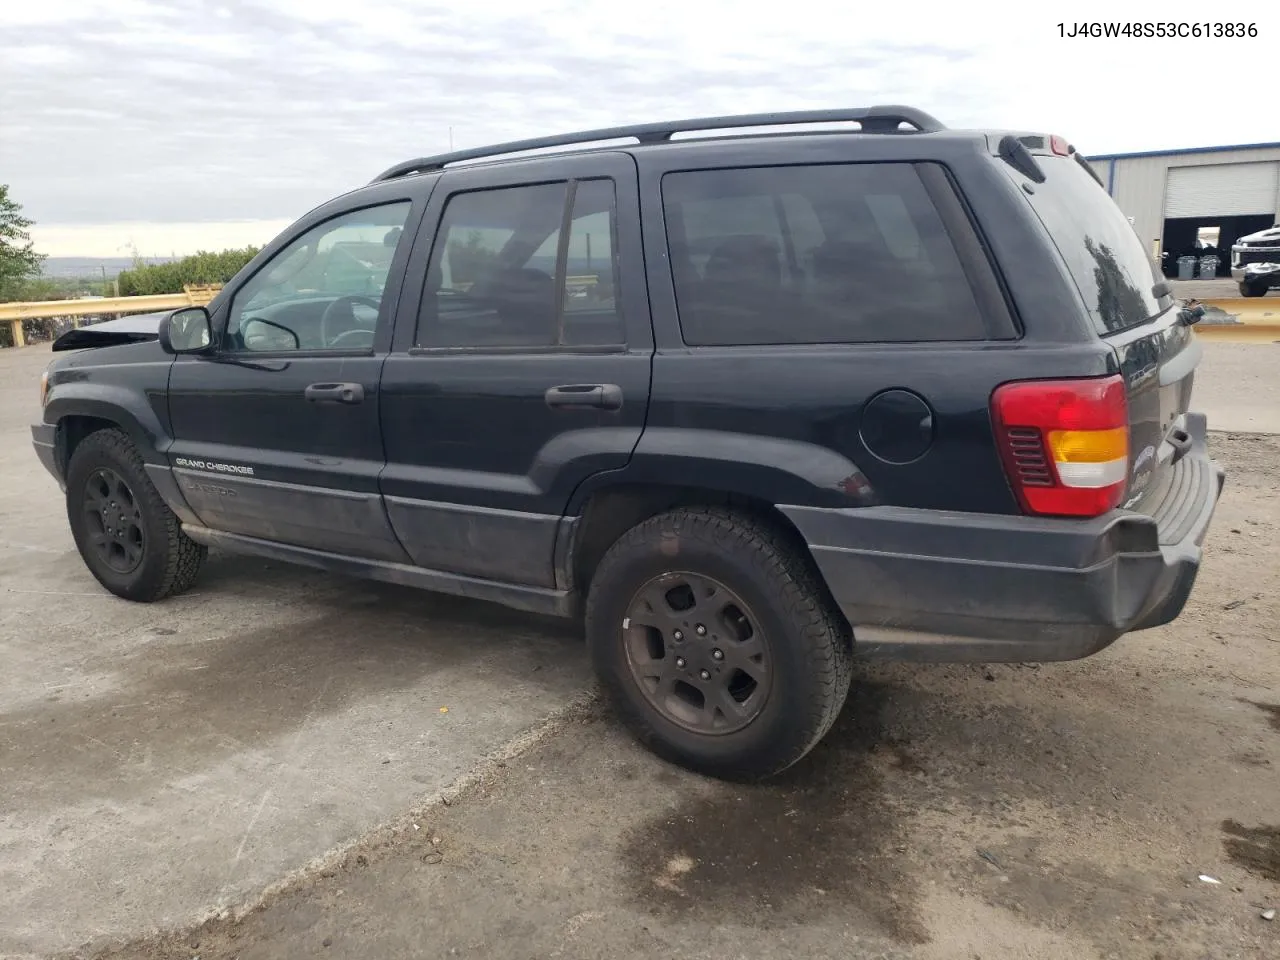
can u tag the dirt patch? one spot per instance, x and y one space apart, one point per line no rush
1257 849
822 837
1272 710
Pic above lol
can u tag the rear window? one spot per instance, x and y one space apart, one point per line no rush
840 253
1102 251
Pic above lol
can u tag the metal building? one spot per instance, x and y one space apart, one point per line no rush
1197 201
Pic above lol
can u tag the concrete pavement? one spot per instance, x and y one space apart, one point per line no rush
158 762
1238 386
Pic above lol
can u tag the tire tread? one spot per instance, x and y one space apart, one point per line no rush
183 556
824 637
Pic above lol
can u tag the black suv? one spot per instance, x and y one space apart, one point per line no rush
750 403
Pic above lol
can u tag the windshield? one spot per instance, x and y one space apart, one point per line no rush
1102 252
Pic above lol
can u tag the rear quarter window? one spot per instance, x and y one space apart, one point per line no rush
1099 246
839 253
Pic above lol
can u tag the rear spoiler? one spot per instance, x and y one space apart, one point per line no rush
138 328
1019 150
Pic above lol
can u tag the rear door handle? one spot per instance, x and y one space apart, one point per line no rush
602 396
335 393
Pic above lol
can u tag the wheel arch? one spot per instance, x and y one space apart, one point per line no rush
76 417
610 510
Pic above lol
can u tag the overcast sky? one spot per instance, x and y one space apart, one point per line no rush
179 124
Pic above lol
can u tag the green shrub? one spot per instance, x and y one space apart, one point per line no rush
146 279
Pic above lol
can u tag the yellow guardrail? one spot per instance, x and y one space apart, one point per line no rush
1257 320
194 295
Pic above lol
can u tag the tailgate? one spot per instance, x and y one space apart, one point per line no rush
1158 360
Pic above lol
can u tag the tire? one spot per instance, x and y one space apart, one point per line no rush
167 560
808 644
1253 289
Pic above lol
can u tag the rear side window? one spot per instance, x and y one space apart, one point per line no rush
844 253
504 273
1098 244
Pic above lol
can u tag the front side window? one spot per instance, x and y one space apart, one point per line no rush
504 273
324 290
842 253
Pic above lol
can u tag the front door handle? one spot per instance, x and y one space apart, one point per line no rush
334 393
602 396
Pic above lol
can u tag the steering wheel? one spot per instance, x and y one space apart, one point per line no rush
340 312
359 339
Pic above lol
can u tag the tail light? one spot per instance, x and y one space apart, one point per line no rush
1059 146
1065 443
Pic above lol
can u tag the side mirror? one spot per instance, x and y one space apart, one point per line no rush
189 330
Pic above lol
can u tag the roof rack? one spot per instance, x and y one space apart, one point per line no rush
878 119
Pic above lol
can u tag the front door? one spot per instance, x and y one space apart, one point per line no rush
522 368
277 436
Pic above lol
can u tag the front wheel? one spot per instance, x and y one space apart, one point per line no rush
716 642
126 534
1252 288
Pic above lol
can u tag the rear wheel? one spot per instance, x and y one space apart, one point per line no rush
1251 288
715 642
128 537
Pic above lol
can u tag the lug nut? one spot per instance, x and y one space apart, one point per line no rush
700 630
705 674
717 654
679 635
680 662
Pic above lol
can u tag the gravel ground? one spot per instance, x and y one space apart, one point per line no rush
1061 811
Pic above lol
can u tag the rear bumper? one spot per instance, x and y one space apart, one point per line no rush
44 439
927 585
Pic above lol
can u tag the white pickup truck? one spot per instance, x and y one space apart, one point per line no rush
1255 262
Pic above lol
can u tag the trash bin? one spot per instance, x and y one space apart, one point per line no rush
1186 268
1209 267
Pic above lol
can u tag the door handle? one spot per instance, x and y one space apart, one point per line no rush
602 396
334 393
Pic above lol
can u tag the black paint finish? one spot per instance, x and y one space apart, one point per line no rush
470 438
897 426
467 469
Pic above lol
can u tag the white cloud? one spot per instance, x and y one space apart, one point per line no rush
189 112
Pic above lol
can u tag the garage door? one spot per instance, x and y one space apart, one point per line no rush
1222 190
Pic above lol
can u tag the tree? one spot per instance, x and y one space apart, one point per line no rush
18 258
203 267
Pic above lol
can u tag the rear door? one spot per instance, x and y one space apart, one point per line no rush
1157 353
521 364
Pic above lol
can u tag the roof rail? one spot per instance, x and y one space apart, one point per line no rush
879 119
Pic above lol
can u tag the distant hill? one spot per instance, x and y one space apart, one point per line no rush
67 267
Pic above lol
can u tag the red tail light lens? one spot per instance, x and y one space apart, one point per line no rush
1059 146
1065 443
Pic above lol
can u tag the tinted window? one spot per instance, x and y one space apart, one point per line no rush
1101 249
500 276
591 311
821 254
324 290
